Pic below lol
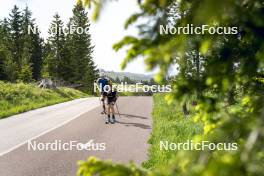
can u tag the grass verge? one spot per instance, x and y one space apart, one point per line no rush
169 124
20 97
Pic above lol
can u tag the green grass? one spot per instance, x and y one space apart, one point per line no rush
18 98
169 124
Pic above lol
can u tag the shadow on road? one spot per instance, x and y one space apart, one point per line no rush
136 116
139 125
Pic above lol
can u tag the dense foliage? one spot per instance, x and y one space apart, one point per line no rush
223 72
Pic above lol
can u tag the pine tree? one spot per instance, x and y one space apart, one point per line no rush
32 45
81 49
37 56
8 68
56 55
45 65
15 25
26 42
2 56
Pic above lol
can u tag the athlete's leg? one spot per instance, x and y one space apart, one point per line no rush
113 112
108 115
104 103
103 97
112 109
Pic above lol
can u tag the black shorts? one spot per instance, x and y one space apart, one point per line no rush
111 101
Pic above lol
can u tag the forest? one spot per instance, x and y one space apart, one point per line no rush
64 57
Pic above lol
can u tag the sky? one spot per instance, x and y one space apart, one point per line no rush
105 32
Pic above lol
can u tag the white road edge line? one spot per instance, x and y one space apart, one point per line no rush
45 132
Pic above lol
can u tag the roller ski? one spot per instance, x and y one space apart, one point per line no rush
108 120
113 120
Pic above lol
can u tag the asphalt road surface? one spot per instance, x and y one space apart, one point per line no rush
121 142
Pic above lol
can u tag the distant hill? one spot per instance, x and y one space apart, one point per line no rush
121 75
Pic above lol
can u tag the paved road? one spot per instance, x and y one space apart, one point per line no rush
15 130
123 141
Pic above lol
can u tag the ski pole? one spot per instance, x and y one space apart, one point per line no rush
117 110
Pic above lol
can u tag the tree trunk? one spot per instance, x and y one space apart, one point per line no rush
185 109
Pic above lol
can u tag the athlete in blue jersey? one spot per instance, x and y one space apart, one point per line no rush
103 82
